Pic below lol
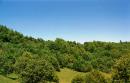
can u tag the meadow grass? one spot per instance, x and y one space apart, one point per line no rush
4 79
66 75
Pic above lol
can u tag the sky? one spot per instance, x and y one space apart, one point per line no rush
75 20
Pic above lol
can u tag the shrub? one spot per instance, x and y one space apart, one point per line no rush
95 77
78 79
33 70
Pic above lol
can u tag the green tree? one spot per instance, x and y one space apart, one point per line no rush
78 79
121 69
95 77
33 70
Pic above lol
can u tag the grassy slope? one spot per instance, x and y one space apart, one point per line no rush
66 75
107 75
7 80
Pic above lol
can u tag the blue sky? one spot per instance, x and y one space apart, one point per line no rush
76 20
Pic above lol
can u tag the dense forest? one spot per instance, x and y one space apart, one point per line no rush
37 60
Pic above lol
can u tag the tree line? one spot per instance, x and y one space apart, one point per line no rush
36 60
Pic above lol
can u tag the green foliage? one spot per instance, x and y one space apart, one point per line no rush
78 79
122 69
95 77
82 66
53 61
19 53
32 70
6 63
89 47
91 77
22 62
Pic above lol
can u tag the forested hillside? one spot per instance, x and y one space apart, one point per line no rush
38 60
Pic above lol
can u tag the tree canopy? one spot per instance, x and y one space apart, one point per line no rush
36 60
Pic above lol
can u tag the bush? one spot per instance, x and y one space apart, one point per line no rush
54 62
33 70
82 66
95 77
91 77
78 79
6 64
121 69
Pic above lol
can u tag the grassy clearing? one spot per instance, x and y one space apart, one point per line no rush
107 76
66 75
4 79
